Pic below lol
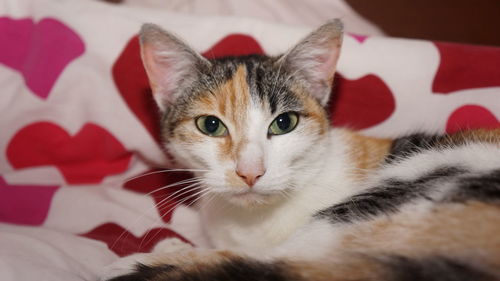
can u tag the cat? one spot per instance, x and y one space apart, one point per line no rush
286 197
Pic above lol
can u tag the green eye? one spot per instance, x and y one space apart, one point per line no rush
284 123
211 126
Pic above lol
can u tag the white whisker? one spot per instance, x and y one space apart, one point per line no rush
165 171
187 181
171 209
187 189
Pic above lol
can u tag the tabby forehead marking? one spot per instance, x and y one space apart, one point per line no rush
232 100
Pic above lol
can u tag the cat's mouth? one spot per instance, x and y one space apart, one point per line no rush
251 197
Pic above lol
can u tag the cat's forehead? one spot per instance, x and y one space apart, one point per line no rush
233 89
255 80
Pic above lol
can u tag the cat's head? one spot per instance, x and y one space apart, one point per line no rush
252 125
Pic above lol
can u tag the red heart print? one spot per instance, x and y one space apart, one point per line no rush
358 37
466 67
361 103
132 82
123 243
163 186
471 117
234 45
87 157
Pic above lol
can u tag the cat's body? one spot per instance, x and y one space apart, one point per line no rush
294 199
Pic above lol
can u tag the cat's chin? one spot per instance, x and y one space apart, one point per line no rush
251 198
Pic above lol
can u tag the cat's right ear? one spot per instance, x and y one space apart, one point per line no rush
170 64
314 59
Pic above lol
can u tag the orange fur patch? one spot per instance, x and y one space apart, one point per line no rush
342 267
479 135
466 230
233 98
367 153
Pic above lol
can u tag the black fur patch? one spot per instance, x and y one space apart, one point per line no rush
388 197
237 269
243 270
406 146
434 269
271 84
484 187
144 272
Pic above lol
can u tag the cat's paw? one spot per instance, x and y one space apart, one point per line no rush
124 266
130 264
171 245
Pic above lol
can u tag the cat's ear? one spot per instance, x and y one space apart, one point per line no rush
171 64
314 59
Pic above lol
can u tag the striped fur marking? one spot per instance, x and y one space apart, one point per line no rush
407 146
385 198
484 187
268 82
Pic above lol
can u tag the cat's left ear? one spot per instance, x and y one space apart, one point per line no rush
314 59
170 63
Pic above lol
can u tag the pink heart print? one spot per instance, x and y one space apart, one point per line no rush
25 204
39 51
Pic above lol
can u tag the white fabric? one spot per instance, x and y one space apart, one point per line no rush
295 12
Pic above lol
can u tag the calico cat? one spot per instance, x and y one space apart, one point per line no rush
287 197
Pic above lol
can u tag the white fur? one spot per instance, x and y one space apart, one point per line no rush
474 156
326 179
286 226
319 238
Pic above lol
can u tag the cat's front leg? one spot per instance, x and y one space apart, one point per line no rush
193 264
213 265
207 265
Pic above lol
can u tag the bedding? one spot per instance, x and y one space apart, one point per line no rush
80 148
292 12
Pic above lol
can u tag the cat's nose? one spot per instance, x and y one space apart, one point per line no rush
250 175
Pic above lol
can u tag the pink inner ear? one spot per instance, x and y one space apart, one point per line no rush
159 73
150 64
328 63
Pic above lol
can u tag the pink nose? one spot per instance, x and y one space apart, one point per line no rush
250 176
